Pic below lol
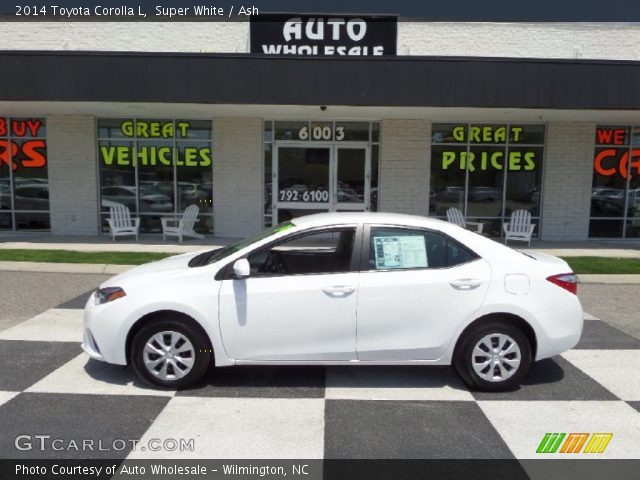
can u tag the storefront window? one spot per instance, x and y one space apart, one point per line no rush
319 166
157 168
487 171
615 193
24 185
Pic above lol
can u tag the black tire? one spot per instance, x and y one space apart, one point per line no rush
463 357
202 352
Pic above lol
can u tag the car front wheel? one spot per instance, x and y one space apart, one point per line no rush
170 354
494 357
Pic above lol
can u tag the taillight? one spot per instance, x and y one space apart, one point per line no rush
568 281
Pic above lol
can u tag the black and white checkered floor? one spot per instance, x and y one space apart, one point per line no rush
48 386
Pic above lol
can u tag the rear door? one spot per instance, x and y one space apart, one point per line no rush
416 289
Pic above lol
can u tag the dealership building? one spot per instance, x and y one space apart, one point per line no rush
257 122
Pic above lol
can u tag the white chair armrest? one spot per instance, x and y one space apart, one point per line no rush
479 226
505 227
531 229
110 222
136 222
166 221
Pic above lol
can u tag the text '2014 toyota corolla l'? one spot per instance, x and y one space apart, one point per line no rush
340 289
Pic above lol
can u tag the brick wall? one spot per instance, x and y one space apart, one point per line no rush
205 37
538 40
405 155
73 194
566 189
535 40
237 176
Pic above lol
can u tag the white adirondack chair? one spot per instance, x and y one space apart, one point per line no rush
121 223
519 228
454 215
183 227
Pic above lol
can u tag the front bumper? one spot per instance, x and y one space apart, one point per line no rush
90 346
103 336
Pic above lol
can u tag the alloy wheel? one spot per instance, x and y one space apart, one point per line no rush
496 357
169 355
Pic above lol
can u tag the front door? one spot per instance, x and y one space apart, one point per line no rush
298 303
320 177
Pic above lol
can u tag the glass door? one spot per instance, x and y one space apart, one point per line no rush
352 174
314 178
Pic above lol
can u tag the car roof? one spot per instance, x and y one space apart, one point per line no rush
321 219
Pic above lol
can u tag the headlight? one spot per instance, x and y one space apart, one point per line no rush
108 294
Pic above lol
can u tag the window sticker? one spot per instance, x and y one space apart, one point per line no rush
407 251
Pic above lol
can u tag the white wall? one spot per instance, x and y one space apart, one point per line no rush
72 166
566 188
536 40
405 156
208 37
237 176
540 40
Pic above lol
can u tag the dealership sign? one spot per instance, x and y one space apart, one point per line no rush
618 159
150 154
320 36
489 159
18 148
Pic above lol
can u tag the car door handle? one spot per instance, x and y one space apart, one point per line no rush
465 283
339 290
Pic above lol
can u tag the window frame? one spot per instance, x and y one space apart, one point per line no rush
366 248
226 272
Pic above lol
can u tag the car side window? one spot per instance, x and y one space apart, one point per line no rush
402 248
317 252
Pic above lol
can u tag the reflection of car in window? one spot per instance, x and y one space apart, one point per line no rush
485 194
32 196
451 194
611 201
150 200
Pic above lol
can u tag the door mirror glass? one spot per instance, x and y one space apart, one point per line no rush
241 268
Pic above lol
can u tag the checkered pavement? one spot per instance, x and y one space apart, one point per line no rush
48 386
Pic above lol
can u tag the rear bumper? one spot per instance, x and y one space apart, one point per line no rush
559 329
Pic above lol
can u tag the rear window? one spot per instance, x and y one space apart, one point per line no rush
392 248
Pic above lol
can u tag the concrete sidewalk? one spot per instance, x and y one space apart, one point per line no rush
153 243
104 269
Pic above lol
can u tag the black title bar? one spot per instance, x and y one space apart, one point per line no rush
243 10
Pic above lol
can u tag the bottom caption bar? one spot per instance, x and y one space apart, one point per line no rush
451 469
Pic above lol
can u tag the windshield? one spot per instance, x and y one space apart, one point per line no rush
213 256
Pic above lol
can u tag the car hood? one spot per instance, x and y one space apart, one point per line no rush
171 264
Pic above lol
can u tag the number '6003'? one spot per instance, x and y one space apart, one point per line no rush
320 133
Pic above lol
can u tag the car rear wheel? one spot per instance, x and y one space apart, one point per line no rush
494 357
170 354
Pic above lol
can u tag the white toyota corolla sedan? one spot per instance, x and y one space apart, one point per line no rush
340 289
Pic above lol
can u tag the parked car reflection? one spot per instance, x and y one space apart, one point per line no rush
610 202
150 201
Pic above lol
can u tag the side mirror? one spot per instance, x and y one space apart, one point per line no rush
241 268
